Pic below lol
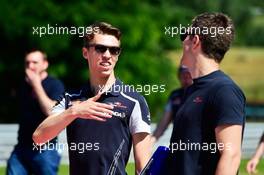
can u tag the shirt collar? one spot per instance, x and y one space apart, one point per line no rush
115 89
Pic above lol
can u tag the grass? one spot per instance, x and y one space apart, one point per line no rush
244 66
130 168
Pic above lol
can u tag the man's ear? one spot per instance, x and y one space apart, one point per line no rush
46 64
196 42
85 53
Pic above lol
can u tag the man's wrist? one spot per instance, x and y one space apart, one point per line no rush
36 86
256 158
72 113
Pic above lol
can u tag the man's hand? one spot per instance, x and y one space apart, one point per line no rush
251 165
90 109
33 78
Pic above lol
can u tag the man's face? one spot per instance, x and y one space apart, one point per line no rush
35 62
101 61
187 52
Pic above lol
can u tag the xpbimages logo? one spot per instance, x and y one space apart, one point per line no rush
80 147
192 146
211 31
63 30
146 89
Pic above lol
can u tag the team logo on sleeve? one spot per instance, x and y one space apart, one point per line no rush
148 117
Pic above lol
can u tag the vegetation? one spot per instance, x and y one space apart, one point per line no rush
245 66
143 59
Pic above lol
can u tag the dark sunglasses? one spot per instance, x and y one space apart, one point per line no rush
183 36
99 48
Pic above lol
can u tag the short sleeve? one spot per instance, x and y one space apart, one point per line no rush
229 106
168 106
57 89
140 117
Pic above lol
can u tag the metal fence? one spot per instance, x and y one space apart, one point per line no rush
8 138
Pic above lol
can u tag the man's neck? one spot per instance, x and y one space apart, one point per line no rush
203 66
102 84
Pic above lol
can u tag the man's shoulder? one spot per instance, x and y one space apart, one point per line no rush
224 86
224 81
53 80
128 91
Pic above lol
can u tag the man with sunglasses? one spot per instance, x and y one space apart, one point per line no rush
208 128
104 114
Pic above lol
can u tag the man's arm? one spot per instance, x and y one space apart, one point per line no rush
141 148
162 126
252 164
54 124
230 136
44 101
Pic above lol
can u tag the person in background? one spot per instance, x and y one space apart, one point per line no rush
37 96
174 102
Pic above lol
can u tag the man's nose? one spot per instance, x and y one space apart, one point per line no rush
107 54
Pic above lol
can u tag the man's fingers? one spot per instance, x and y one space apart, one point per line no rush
102 114
93 117
28 71
249 167
253 169
103 110
103 105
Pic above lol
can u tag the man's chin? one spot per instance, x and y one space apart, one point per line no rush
105 74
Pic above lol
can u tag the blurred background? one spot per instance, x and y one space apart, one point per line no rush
148 55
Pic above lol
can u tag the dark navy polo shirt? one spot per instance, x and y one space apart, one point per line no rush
212 100
30 110
109 143
175 101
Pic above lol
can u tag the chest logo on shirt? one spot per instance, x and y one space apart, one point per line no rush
198 99
118 105
119 114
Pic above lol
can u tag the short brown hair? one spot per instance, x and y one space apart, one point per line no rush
44 54
101 28
215 46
